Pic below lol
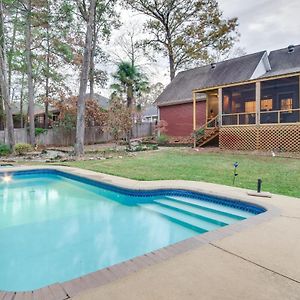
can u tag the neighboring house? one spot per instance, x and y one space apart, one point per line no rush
250 102
39 111
150 114
102 101
38 114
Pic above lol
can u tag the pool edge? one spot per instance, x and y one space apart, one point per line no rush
68 289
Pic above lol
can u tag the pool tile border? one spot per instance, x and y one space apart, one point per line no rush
71 288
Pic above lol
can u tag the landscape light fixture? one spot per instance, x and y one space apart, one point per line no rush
235 174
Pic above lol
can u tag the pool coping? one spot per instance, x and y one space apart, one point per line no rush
71 288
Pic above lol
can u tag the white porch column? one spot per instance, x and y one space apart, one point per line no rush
257 99
220 99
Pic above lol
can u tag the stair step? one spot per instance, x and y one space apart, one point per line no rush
210 215
213 207
187 219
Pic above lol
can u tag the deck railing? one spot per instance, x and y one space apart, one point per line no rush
243 118
266 117
212 123
280 116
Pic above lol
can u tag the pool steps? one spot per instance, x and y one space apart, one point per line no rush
197 214
228 211
199 223
212 216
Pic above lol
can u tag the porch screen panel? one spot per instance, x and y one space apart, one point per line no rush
280 101
239 105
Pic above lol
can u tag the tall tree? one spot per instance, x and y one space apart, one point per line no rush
105 19
4 84
28 33
55 49
186 31
129 81
80 125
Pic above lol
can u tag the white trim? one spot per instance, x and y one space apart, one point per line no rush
262 67
184 101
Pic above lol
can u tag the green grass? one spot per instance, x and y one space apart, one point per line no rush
279 175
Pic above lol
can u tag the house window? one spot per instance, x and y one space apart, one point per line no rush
266 104
287 104
250 106
226 108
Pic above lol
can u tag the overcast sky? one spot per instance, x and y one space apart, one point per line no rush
263 25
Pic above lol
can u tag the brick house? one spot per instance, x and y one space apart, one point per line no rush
250 102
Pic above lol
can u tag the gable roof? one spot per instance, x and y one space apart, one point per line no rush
225 72
102 101
150 111
283 62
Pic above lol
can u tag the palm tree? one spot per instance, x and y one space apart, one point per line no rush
131 82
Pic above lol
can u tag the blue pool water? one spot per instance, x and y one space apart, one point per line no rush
54 227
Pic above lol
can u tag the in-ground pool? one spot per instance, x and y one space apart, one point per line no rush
55 226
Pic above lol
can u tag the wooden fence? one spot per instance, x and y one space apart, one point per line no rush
62 137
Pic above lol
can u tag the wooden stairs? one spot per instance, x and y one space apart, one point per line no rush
207 132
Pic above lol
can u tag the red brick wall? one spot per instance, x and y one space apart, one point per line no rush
180 118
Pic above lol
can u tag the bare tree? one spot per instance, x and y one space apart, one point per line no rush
185 31
84 76
4 86
28 32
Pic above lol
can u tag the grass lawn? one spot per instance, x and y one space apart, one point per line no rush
279 175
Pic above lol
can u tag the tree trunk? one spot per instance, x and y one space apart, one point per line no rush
29 74
129 105
21 102
172 67
46 119
1 111
80 126
12 48
92 62
171 55
4 84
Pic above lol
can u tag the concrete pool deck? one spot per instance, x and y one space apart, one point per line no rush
258 258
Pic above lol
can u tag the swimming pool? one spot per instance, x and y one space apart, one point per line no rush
55 226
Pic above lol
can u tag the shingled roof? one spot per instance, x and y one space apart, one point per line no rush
284 62
225 72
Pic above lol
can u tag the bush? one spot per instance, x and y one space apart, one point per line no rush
199 134
4 150
153 147
23 148
39 131
162 139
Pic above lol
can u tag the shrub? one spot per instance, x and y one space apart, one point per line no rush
198 134
153 147
39 131
4 150
23 148
162 139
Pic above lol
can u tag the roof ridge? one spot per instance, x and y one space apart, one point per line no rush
282 49
226 60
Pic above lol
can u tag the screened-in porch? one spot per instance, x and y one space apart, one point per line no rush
265 102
